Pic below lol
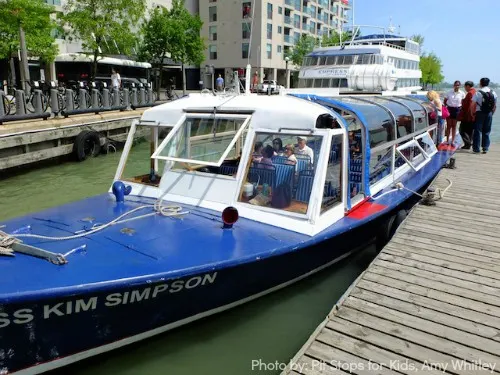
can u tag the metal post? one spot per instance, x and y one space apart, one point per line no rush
70 100
116 96
20 103
2 101
105 98
95 99
134 97
287 73
142 95
150 95
82 100
54 101
37 101
126 102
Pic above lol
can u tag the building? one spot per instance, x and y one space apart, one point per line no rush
261 32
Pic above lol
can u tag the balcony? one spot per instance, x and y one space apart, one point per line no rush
289 3
288 39
307 10
288 20
296 24
304 26
298 5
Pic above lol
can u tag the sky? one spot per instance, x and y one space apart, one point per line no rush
464 34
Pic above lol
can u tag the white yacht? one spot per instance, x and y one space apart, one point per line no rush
371 63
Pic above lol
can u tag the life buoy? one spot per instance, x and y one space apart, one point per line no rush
87 143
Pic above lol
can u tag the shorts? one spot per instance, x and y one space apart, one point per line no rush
453 112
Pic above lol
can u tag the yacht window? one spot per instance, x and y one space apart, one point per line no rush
309 83
380 164
331 60
322 60
340 60
413 155
281 171
138 167
325 82
332 194
427 143
202 141
317 82
348 60
367 59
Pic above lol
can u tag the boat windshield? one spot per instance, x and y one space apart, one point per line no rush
281 171
204 140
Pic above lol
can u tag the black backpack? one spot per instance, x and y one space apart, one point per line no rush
488 101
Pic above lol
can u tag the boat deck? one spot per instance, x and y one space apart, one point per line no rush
430 301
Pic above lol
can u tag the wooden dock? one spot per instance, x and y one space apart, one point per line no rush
430 301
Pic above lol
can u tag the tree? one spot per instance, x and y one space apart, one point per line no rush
304 46
335 38
33 17
157 34
103 25
187 47
431 68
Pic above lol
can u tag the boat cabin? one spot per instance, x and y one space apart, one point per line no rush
300 162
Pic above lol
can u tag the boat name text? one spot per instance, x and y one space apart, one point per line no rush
53 310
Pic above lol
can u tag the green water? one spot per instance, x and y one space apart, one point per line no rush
271 328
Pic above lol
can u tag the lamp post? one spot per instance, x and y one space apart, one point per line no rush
287 59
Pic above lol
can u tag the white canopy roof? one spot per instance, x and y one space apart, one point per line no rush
270 112
80 57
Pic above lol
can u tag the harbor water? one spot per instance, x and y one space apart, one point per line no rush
257 337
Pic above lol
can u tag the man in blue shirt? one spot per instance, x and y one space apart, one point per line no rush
219 83
484 114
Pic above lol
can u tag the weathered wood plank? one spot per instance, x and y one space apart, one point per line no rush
32 157
389 340
415 315
447 303
442 343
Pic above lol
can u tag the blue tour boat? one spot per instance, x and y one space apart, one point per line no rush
238 196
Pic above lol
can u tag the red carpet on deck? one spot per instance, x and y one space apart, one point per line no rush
365 209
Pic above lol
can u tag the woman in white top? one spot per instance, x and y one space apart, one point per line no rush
453 101
436 103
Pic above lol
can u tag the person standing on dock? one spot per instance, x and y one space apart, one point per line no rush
453 101
486 102
436 103
467 115
116 80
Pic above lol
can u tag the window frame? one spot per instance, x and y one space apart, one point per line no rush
413 142
178 127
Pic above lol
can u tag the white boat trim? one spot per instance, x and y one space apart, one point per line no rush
47 366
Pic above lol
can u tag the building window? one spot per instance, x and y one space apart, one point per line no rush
247 8
269 11
280 29
212 14
212 30
269 50
245 50
279 49
269 31
213 52
246 30
280 10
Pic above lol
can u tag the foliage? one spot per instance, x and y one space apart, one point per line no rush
99 24
335 38
304 46
34 17
418 38
431 68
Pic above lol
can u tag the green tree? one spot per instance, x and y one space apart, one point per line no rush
304 46
431 68
99 24
33 16
335 38
187 47
157 38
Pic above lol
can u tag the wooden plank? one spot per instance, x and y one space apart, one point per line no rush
430 243
352 338
419 314
418 354
466 216
440 274
32 157
441 341
448 255
418 278
432 299
447 262
443 218
345 361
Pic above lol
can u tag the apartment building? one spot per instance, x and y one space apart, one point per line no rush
261 33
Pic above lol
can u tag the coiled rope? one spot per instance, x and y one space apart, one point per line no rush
7 240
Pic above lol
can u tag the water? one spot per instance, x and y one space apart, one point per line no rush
272 328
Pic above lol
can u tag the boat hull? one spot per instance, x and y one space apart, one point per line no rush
46 334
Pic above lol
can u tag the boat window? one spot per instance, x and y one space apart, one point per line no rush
309 83
380 164
331 60
202 141
427 143
322 60
400 112
139 166
380 125
413 154
317 82
418 113
281 171
348 60
332 194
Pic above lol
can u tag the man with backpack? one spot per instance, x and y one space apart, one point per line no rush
486 102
